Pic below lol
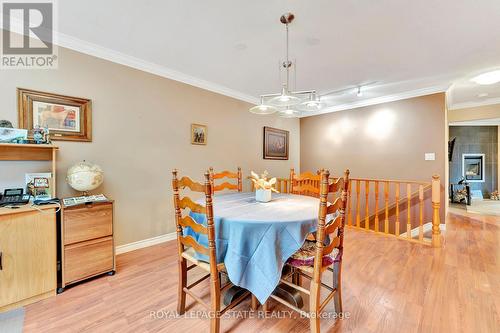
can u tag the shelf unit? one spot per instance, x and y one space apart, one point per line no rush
31 152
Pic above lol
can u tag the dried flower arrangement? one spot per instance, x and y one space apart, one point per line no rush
261 183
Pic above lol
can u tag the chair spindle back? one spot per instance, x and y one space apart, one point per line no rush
334 228
226 185
306 183
183 220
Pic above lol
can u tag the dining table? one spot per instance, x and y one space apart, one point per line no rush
255 239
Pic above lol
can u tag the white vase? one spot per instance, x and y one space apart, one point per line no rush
262 195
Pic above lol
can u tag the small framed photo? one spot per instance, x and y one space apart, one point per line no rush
67 118
198 134
275 144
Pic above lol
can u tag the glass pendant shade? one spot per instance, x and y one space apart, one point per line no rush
289 113
263 109
285 99
313 104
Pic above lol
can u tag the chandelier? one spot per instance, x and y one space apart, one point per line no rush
287 103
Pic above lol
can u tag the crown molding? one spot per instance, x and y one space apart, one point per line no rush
98 51
477 122
466 105
101 52
383 99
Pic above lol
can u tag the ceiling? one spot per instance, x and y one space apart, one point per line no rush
402 47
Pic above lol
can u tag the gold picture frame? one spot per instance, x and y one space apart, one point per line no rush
198 134
68 118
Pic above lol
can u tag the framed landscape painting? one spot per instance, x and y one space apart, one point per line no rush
275 144
67 118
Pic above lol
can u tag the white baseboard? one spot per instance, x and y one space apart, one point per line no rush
145 243
426 227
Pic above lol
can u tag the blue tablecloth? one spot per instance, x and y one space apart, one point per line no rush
254 240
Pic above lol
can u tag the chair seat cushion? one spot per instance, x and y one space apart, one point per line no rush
305 256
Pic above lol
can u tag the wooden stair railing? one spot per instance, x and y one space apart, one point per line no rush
364 211
390 218
391 208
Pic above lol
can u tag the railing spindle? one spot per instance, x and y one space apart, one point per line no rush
436 204
398 222
349 201
421 213
367 210
358 215
386 222
376 207
408 221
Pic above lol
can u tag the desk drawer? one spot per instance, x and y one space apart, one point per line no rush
88 222
86 259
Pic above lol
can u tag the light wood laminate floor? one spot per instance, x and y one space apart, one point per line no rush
389 285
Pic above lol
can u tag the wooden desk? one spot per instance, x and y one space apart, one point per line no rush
28 247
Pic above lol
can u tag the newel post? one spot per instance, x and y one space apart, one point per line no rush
436 204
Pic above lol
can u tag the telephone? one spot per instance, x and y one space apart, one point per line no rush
14 197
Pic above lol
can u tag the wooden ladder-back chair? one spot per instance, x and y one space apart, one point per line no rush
306 183
188 247
314 258
226 185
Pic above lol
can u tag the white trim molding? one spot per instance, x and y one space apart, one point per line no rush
98 51
145 243
474 104
427 227
384 99
477 122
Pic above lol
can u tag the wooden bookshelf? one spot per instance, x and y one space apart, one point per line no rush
31 152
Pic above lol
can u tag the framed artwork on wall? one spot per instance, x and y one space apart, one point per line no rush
198 134
67 118
275 144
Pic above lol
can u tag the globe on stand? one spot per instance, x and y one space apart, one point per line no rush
85 177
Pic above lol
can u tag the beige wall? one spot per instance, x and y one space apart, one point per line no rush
141 132
385 141
475 113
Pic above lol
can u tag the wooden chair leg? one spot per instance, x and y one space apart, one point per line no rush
215 296
337 298
265 307
314 300
181 296
255 303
